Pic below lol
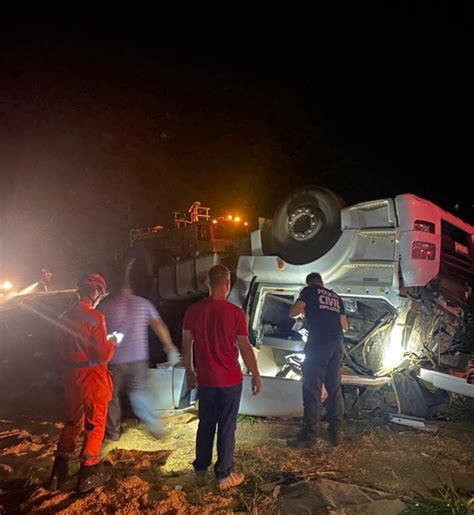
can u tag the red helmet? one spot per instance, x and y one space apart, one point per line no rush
94 280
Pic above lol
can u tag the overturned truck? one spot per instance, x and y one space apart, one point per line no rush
403 267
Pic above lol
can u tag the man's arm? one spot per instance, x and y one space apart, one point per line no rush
297 309
248 356
187 343
344 323
161 330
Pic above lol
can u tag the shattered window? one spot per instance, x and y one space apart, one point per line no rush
275 319
363 315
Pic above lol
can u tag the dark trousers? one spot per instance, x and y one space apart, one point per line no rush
322 365
218 408
133 378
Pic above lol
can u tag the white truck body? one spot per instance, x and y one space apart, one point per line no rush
402 266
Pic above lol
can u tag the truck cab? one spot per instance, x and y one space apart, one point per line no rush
404 269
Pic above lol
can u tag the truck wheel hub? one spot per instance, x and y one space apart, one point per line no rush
303 223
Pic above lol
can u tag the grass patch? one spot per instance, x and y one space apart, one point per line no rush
445 501
251 500
246 420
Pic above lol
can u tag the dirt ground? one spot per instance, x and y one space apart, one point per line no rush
155 476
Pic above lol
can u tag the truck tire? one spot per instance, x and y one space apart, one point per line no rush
307 224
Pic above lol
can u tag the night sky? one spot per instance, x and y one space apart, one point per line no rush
106 122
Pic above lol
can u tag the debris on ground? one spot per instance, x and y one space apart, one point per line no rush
337 497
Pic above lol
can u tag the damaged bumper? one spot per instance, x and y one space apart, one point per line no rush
447 382
280 397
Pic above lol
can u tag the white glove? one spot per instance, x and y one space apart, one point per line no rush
116 338
173 356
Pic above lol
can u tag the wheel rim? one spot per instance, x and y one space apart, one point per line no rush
304 222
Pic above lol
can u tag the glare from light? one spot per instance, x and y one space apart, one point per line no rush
229 217
214 221
237 219
28 289
393 353
246 224
304 334
7 285
44 316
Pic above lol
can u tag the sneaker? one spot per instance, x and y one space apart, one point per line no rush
112 438
59 474
92 477
234 479
157 430
303 440
201 477
159 433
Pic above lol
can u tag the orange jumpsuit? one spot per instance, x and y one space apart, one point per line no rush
84 351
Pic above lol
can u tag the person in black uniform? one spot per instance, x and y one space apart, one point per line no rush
325 321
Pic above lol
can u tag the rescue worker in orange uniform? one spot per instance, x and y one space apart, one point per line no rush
84 350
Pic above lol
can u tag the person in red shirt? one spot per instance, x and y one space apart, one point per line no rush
84 351
214 331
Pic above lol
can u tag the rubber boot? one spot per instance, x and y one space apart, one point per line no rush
59 474
92 477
